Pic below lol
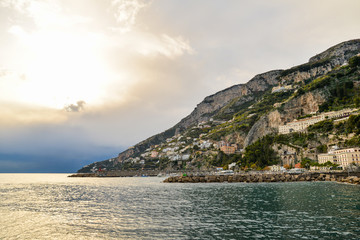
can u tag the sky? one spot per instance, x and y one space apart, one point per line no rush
82 80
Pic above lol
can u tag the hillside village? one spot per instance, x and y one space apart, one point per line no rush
306 116
177 151
182 151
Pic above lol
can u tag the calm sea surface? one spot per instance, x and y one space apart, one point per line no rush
52 206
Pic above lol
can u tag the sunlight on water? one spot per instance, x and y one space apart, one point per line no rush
52 206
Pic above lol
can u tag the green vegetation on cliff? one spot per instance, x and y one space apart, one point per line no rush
249 115
260 154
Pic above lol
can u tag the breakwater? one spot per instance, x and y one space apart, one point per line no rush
137 173
353 178
150 173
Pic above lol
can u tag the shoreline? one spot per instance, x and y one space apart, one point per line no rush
210 177
147 173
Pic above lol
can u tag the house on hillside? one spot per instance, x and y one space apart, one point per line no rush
228 149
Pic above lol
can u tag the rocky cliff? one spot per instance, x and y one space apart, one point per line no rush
208 109
318 65
339 53
212 104
252 110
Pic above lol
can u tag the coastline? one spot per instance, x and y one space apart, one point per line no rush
211 177
148 173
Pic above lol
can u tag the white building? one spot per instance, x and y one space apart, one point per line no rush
185 157
180 157
277 168
327 157
342 157
317 168
299 125
205 144
303 124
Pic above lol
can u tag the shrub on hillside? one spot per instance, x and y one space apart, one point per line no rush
354 61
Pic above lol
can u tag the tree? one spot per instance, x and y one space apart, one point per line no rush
354 61
307 162
357 100
261 153
322 148
353 124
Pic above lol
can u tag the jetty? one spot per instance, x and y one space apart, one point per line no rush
126 173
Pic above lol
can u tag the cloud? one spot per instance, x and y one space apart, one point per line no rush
17 31
19 5
79 106
143 41
152 45
126 12
139 65
14 114
45 13
175 46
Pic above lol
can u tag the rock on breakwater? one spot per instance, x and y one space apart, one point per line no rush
149 173
267 177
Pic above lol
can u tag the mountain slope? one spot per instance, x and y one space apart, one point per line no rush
244 113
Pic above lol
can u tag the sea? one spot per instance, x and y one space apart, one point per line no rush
54 206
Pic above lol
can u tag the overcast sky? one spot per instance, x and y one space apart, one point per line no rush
82 80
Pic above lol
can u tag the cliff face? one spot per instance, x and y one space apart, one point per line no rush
305 104
299 76
211 104
239 99
339 53
317 66
207 109
265 125
322 63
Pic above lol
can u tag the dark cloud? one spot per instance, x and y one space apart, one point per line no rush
51 148
46 163
79 106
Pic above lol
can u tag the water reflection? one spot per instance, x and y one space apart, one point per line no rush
56 207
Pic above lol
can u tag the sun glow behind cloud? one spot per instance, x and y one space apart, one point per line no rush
64 58
62 67
86 75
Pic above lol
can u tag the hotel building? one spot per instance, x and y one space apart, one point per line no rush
303 124
342 157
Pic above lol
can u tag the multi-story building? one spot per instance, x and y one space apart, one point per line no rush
327 157
348 156
299 125
342 157
303 124
228 149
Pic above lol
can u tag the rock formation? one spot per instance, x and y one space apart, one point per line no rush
235 99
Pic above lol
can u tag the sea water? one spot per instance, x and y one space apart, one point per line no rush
53 206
